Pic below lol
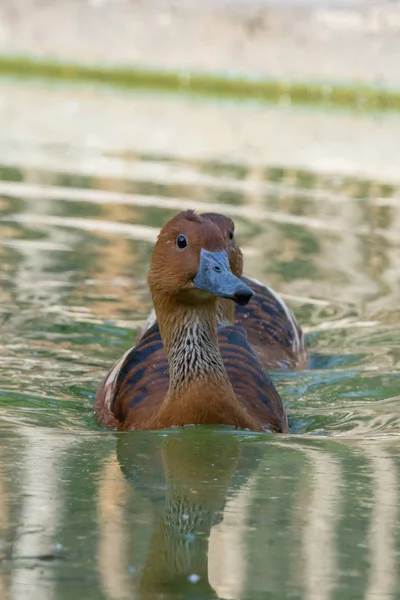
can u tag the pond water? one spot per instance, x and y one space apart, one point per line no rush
86 180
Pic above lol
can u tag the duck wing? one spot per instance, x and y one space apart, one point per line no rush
251 384
134 389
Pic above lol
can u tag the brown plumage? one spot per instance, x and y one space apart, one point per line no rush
271 327
195 374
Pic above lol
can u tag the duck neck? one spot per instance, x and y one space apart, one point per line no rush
190 339
200 391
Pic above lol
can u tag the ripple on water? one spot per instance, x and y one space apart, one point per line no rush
195 512
75 246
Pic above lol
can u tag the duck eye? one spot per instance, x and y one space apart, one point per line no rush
181 241
230 234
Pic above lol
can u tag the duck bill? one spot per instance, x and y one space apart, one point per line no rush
215 276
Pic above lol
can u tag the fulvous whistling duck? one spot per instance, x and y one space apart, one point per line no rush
271 327
203 376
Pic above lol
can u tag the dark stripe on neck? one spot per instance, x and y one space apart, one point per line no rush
194 353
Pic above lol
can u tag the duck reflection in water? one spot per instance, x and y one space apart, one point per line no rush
194 476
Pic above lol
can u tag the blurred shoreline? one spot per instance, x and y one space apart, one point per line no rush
353 42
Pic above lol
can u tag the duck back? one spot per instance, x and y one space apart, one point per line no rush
272 329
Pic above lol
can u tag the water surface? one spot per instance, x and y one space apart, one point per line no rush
201 512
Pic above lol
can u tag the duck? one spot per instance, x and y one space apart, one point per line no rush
272 329
185 370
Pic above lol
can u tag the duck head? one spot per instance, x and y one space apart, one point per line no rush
227 228
190 264
225 308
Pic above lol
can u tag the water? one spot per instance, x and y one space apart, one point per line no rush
86 180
